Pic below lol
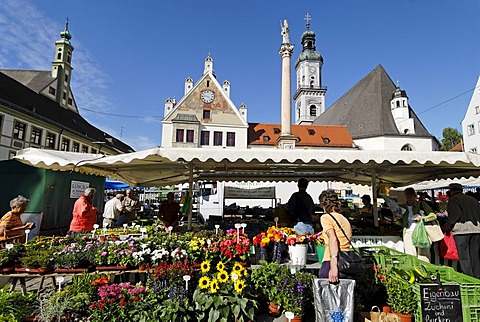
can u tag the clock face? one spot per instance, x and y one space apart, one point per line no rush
207 96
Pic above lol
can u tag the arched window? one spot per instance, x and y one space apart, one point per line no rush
313 110
398 103
69 56
59 54
407 147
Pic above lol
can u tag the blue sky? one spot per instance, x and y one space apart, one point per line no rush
131 55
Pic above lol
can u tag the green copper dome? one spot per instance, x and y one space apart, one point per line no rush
309 51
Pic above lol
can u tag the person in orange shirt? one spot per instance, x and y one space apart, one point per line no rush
84 213
10 224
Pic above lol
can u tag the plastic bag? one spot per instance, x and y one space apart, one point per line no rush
333 302
420 236
448 247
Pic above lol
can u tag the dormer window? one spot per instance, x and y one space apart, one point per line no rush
311 132
276 130
326 140
266 138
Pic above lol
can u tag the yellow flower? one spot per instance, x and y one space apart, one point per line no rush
204 282
222 276
239 285
205 266
237 268
214 286
220 266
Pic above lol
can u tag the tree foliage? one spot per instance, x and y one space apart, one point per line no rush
451 137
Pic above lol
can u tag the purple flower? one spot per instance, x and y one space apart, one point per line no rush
103 254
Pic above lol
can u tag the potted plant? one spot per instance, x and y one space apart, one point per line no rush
271 243
115 254
223 294
296 293
400 295
75 257
36 261
15 305
265 280
298 248
319 240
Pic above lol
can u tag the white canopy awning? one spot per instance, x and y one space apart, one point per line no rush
161 166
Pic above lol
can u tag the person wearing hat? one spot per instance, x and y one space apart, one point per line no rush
464 223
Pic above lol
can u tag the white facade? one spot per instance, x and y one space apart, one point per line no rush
205 117
385 143
471 123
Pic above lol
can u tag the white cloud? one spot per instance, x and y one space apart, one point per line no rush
28 42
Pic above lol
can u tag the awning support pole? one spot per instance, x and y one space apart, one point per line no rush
374 198
190 193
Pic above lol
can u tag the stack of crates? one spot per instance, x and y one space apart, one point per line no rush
469 286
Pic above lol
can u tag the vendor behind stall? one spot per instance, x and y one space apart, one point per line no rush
301 208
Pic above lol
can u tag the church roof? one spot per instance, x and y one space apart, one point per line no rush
36 80
365 109
19 97
308 135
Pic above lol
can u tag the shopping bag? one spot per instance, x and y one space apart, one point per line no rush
333 302
434 232
420 237
448 247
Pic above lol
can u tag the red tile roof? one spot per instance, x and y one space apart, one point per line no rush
332 136
458 147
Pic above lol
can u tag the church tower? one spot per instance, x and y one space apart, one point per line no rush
62 68
401 113
310 95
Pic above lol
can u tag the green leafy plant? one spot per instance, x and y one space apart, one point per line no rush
400 294
265 280
15 305
37 258
52 305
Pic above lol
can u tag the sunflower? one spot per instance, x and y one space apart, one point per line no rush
239 285
205 266
222 276
214 286
220 266
237 268
204 282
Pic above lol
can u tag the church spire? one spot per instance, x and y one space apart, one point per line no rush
62 68
310 95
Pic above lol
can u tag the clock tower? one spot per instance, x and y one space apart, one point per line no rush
310 95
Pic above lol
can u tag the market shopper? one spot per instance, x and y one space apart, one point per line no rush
112 210
84 213
301 208
464 223
414 211
10 224
169 211
335 239
131 206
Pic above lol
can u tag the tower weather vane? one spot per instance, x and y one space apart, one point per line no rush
308 18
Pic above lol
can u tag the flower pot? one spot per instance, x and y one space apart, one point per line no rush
7 270
38 270
405 317
320 251
298 254
74 269
386 309
297 318
273 309
111 268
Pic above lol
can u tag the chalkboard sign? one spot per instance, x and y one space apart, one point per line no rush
441 303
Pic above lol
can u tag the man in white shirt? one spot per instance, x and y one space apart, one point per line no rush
113 209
